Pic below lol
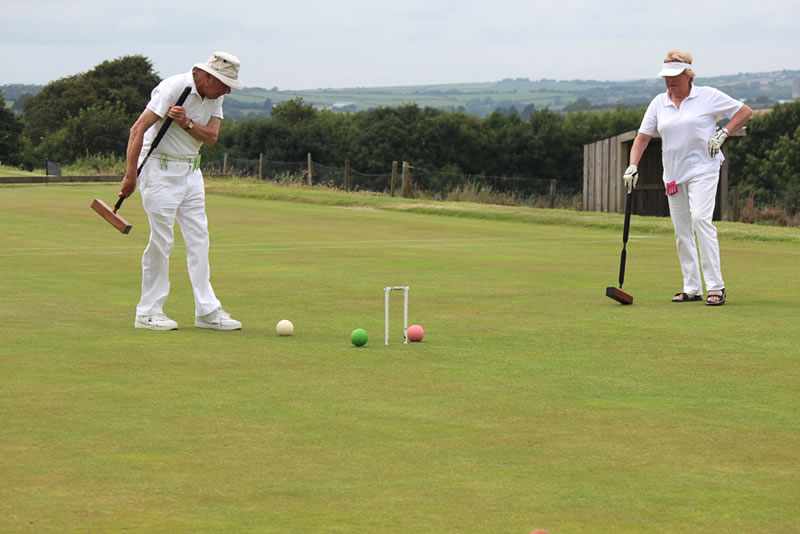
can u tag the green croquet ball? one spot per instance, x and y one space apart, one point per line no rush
359 337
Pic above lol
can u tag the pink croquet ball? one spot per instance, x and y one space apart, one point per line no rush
415 333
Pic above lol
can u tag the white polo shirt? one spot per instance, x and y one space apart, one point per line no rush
685 132
177 142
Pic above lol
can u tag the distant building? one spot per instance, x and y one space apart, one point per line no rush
796 88
338 106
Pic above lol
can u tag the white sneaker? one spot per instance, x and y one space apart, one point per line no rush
155 322
219 319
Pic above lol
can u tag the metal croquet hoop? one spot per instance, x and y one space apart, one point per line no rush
386 291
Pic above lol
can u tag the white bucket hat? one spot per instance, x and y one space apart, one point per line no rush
224 67
673 68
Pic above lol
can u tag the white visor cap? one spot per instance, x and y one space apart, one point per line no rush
673 68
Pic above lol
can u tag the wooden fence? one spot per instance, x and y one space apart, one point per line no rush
605 161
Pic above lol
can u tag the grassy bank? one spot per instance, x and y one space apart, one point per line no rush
246 188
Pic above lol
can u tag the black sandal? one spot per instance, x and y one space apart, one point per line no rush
687 298
721 298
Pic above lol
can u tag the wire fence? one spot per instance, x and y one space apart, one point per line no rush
746 205
253 167
410 181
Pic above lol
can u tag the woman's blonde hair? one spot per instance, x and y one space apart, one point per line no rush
681 57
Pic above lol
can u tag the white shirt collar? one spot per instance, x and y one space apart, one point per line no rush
692 94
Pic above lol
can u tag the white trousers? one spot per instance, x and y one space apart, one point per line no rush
691 210
176 192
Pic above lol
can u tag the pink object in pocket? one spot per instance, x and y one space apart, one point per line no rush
672 188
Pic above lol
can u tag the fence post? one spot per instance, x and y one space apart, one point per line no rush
552 194
406 178
394 178
735 203
309 169
225 164
347 175
261 166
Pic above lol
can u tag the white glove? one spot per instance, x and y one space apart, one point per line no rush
630 177
715 143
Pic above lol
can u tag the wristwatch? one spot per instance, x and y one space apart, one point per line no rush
191 125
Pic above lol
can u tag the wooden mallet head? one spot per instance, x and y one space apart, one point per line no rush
111 216
619 295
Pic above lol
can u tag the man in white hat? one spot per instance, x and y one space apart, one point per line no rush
172 188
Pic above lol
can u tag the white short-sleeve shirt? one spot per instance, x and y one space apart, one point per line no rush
177 142
685 132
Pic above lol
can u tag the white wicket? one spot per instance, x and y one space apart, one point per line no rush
386 291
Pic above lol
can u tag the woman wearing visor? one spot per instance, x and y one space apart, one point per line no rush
685 116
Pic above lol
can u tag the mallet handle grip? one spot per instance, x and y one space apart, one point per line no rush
625 232
627 218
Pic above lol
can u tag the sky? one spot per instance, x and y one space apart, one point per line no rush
312 44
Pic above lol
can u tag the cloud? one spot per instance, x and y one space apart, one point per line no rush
310 43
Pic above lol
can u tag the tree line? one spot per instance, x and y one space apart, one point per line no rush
547 145
91 113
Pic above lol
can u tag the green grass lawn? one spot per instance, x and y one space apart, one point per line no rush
533 402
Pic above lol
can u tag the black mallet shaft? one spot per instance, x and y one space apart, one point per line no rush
612 292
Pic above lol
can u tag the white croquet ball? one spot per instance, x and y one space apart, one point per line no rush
284 328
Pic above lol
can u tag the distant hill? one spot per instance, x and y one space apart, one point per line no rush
759 90
13 94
